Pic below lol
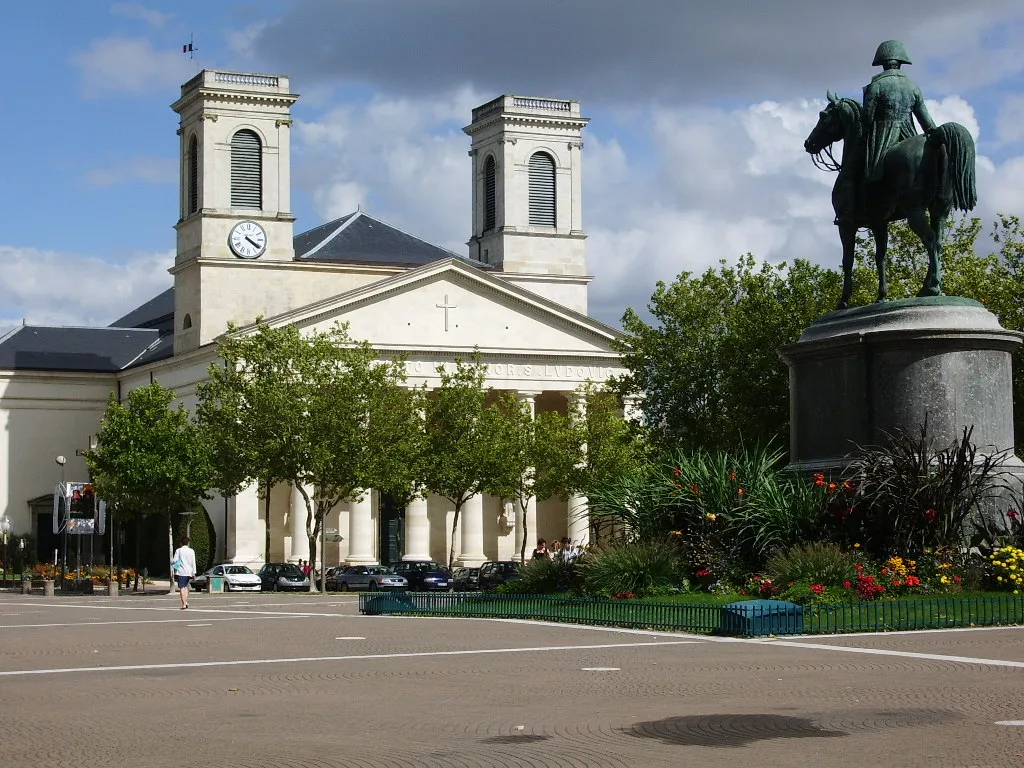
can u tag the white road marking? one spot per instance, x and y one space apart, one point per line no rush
193 610
350 638
247 662
903 654
601 669
1010 722
139 621
199 625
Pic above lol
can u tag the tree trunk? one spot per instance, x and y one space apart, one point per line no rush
313 524
522 511
455 525
266 514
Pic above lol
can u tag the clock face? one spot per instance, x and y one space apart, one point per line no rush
248 240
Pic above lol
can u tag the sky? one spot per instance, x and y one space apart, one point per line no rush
698 109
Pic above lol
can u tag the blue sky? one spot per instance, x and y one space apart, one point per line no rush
698 110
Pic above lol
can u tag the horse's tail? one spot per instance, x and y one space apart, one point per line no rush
957 181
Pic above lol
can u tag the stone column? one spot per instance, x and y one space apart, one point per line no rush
530 513
577 516
245 534
297 515
417 530
471 524
360 531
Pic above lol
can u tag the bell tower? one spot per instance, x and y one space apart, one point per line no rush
234 198
527 189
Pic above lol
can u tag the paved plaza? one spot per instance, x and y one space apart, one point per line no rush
296 680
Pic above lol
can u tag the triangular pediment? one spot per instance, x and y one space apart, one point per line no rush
453 306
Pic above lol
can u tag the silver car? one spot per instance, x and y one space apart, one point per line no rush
371 577
237 578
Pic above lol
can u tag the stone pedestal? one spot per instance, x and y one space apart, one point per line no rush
857 374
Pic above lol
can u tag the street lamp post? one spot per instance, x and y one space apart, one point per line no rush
61 461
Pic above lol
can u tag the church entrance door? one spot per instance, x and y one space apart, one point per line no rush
391 535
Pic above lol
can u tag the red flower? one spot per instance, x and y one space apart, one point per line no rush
817 588
1013 514
897 583
704 572
732 475
956 579
740 491
677 471
929 515
913 581
847 584
695 489
859 567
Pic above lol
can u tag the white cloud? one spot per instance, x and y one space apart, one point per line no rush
142 13
113 66
152 170
1010 119
243 43
954 109
54 288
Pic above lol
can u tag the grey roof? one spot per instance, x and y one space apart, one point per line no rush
157 313
90 350
361 239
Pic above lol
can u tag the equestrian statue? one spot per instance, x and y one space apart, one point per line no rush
889 172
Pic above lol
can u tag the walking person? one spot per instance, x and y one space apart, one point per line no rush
183 568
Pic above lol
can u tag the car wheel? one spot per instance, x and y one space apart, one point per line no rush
372 586
343 587
227 586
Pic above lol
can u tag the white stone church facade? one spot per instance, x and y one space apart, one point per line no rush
519 296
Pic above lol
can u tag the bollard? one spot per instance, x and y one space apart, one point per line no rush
26 586
112 588
48 588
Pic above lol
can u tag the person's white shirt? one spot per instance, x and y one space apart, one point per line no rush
187 555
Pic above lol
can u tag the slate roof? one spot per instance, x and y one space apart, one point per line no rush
156 313
361 239
89 350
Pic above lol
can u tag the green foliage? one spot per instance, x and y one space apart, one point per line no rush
814 593
544 576
911 494
150 458
707 366
640 567
202 537
816 563
632 501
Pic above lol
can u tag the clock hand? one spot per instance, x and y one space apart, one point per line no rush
253 242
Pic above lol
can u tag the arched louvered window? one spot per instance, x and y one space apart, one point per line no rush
542 189
490 218
246 170
187 322
193 175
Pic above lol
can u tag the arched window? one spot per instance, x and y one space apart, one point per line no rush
246 170
187 322
193 176
542 189
490 218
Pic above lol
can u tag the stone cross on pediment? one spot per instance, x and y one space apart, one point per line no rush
446 306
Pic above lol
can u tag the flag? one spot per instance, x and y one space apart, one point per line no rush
187 48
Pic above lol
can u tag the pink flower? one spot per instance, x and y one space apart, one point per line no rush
817 588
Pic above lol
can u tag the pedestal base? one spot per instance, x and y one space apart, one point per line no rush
857 375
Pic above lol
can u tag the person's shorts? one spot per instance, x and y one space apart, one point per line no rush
182 581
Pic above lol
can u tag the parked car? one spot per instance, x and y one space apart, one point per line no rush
283 576
465 579
331 579
494 573
371 577
424 574
236 578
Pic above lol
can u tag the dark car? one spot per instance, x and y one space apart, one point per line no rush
465 579
331 579
494 573
283 576
424 574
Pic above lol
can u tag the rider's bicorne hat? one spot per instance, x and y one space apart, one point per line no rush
891 50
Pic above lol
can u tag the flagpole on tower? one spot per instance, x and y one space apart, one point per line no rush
190 49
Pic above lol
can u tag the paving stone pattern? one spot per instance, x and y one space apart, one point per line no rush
669 700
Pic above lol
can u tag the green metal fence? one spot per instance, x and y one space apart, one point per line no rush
751 619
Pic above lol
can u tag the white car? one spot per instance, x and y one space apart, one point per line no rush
237 578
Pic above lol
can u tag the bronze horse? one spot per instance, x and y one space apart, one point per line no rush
924 178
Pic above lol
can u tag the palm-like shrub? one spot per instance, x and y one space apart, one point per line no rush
816 563
640 567
543 576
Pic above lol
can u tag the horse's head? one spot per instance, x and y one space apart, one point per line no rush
831 127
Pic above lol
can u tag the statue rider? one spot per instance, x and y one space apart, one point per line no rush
891 101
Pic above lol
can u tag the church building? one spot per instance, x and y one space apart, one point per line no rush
519 295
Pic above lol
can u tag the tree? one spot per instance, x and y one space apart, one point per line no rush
457 446
530 457
708 367
317 410
151 458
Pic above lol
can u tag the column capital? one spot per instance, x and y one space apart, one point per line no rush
528 394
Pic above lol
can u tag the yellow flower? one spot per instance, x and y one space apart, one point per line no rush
711 517
856 546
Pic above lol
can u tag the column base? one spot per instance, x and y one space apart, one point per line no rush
470 561
407 558
361 560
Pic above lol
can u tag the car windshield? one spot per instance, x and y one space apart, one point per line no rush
236 569
424 567
380 570
291 571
